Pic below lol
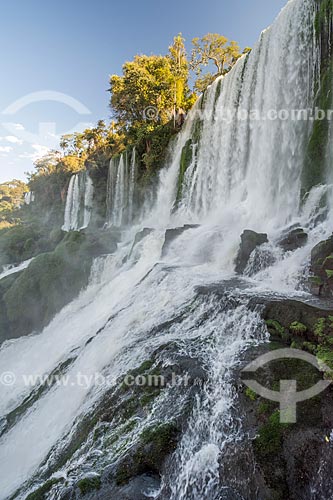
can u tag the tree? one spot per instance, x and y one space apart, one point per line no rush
180 71
47 164
12 195
155 83
146 84
213 49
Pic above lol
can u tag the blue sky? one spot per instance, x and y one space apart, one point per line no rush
57 57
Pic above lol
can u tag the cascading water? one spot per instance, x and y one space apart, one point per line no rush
121 189
78 202
242 173
29 197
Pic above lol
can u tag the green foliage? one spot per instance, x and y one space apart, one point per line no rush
153 145
12 195
329 273
269 440
272 324
319 327
325 354
212 49
147 81
297 328
251 394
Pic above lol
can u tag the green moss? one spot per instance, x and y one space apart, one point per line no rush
51 281
309 347
147 398
187 156
316 153
326 355
269 440
329 273
323 15
89 484
296 344
264 407
159 435
297 328
21 242
251 394
319 327
146 365
185 162
40 493
328 260
217 92
155 444
196 132
316 280
277 328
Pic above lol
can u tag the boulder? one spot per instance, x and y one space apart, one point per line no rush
172 234
322 268
249 241
294 239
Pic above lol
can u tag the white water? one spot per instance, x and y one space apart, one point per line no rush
29 197
78 202
244 175
12 269
121 189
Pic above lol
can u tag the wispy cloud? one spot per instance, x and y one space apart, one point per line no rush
39 150
5 149
13 139
18 126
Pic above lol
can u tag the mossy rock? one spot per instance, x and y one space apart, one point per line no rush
52 280
89 484
156 443
298 328
42 492
275 328
269 440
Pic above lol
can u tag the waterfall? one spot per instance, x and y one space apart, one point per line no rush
29 197
251 165
78 202
225 175
121 189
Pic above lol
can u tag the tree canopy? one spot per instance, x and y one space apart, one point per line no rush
212 50
12 194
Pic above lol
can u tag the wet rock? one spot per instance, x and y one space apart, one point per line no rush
172 234
321 280
141 235
148 456
296 238
249 241
289 458
288 311
139 488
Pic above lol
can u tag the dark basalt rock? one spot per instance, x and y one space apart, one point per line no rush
322 268
296 238
172 234
249 241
